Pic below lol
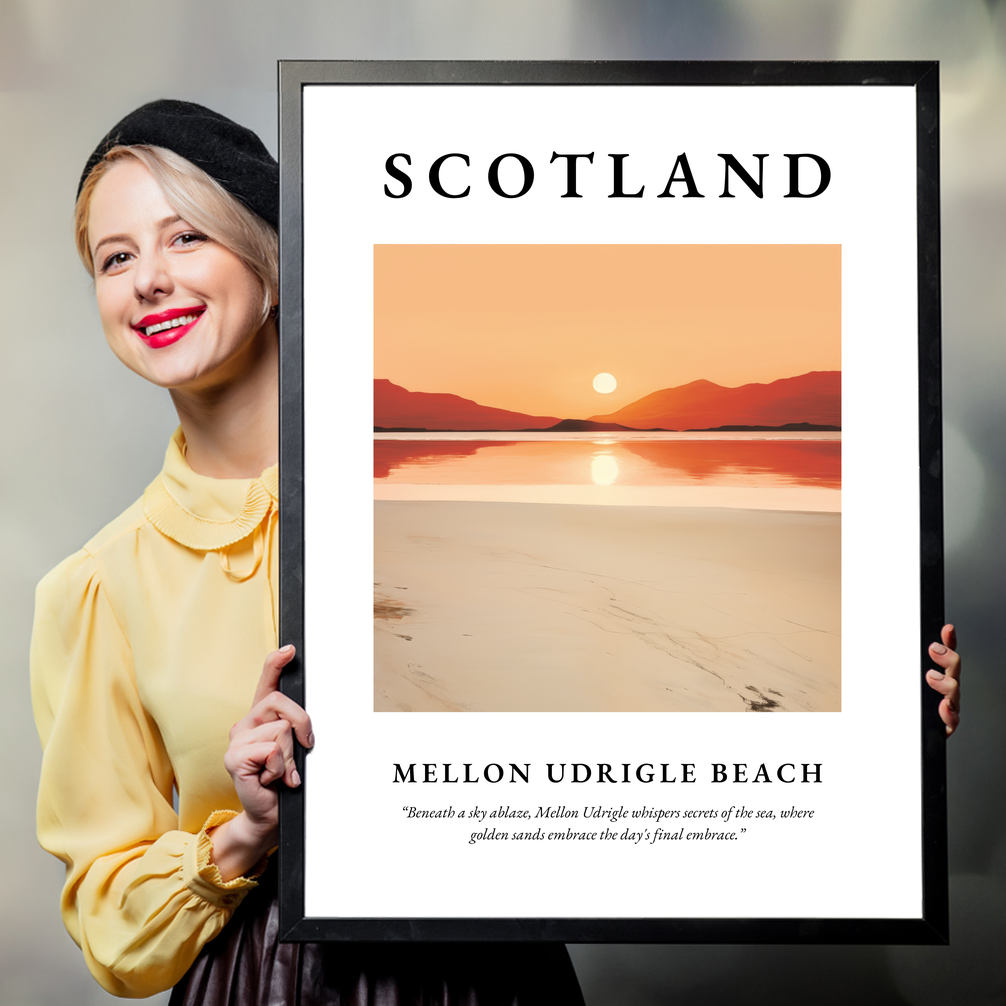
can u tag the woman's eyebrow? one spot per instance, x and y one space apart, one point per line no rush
160 225
109 240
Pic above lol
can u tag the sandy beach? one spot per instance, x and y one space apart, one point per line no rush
491 606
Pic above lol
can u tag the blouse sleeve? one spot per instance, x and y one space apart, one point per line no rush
141 898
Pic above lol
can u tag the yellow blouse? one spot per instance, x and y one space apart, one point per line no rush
147 647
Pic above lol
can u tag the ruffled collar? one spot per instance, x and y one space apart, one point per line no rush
203 513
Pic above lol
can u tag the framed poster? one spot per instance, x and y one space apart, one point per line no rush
611 501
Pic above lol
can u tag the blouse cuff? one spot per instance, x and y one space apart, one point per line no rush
202 876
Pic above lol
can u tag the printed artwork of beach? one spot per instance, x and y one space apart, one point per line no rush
607 478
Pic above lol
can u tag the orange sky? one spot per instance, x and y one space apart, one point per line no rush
526 327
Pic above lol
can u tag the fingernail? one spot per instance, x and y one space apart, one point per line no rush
295 777
938 648
936 675
287 649
310 740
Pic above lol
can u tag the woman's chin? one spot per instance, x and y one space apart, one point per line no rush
197 365
173 374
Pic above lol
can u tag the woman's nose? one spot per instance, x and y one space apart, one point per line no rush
152 277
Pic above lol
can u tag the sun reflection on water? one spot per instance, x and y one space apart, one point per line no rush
603 470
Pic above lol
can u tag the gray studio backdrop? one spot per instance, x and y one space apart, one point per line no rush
82 436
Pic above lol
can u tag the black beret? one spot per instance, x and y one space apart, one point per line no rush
230 154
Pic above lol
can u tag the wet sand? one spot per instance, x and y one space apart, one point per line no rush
484 606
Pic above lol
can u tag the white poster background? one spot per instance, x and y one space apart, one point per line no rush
860 855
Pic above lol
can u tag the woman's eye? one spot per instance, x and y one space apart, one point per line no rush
190 238
114 261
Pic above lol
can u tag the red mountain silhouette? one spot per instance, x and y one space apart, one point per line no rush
810 398
397 408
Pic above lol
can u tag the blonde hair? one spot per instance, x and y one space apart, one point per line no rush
199 200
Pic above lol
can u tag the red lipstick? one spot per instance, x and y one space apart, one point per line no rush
165 324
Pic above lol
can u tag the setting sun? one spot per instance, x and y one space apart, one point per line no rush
643 317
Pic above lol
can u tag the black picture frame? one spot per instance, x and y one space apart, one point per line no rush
931 927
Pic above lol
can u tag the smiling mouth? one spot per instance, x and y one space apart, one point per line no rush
177 321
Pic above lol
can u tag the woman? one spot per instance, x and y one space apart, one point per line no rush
149 642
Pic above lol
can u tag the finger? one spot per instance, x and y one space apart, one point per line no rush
261 760
276 706
273 767
950 716
948 659
279 732
949 708
271 670
947 686
949 636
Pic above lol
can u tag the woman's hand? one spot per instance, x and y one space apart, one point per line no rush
948 681
260 753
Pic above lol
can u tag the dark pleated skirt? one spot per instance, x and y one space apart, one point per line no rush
246 965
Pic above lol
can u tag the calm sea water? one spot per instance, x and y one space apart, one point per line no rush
749 460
